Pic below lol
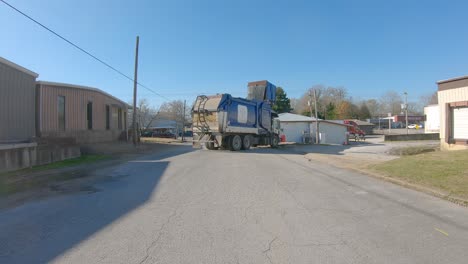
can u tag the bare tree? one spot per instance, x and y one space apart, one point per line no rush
391 102
373 106
429 99
174 110
145 113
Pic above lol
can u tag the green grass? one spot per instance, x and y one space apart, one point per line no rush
70 162
442 170
22 180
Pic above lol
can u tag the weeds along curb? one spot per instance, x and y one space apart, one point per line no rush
420 188
416 187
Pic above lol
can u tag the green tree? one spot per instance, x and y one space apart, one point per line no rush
283 103
330 111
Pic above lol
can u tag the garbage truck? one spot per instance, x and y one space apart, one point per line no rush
227 122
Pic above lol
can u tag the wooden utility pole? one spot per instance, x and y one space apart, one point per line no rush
310 103
135 83
317 133
183 123
406 113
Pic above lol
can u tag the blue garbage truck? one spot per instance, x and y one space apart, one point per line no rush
227 122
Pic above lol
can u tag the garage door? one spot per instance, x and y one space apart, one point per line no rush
460 123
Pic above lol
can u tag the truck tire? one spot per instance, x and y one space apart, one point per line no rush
246 142
225 142
210 145
274 141
235 143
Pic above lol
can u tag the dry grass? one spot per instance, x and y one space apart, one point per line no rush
444 171
413 150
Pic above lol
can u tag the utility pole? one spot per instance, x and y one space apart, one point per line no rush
135 83
183 123
317 134
310 103
406 112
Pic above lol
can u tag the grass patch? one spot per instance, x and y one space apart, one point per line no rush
70 162
22 180
442 170
414 150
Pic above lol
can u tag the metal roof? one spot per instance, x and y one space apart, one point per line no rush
74 86
453 79
288 117
18 67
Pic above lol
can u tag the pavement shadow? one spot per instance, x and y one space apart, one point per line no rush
40 232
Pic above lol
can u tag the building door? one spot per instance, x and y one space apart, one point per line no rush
460 123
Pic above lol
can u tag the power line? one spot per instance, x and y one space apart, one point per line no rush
81 49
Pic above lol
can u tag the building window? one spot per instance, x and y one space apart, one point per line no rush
107 117
119 118
125 120
89 115
61 112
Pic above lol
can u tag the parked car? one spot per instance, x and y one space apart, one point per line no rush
413 126
147 134
165 135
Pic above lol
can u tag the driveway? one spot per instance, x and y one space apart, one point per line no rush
371 151
260 206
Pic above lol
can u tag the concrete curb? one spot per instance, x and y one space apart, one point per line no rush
416 187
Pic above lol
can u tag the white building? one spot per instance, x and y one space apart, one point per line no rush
301 129
453 106
432 123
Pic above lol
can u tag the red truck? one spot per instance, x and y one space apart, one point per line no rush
354 131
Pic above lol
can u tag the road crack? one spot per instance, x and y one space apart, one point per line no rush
268 250
159 234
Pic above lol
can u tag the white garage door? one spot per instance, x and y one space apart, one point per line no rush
293 130
460 123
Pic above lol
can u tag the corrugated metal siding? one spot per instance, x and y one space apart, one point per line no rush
75 109
330 133
17 105
294 131
449 96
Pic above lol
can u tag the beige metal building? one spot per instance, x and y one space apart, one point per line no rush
17 103
453 106
432 123
87 114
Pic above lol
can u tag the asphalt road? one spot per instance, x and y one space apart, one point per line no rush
261 206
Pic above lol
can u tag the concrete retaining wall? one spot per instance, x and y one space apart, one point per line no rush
431 136
26 155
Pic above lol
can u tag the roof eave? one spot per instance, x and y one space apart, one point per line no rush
67 85
18 67
452 79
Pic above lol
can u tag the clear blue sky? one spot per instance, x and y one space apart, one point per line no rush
191 47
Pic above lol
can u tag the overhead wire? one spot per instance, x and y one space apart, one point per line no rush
83 50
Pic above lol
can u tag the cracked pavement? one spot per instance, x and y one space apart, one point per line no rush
259 206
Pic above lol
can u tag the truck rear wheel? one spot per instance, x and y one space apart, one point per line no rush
246 142
235 143
274 141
